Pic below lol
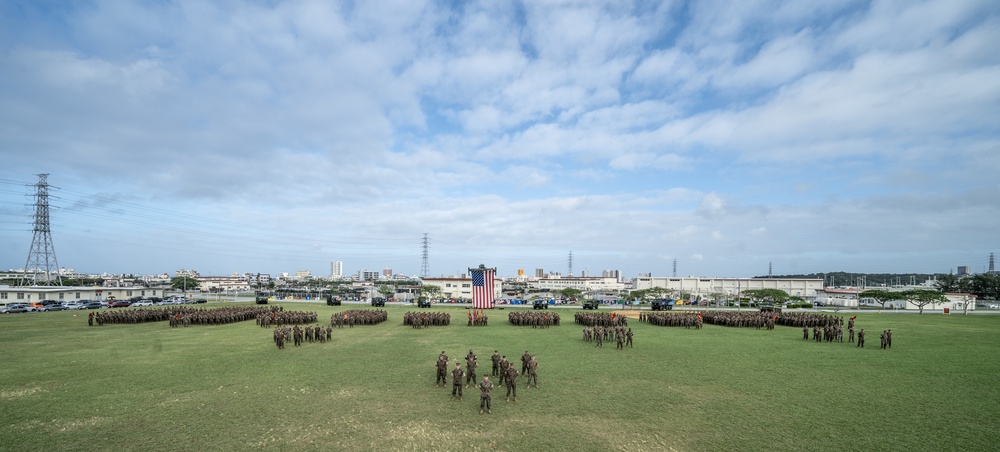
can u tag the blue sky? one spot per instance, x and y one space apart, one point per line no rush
277 136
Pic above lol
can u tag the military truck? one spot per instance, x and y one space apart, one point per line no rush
590 304
663 304
539 304
261 297
332 301
378 301
423 302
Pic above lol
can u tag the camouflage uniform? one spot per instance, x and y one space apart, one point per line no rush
485 395
456 381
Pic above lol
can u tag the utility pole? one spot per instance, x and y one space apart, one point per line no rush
425 266
42 256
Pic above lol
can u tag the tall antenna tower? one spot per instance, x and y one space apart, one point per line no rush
992 270
570 263
675 268
425 266
41 264
769 268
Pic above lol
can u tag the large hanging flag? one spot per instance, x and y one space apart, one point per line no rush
482 287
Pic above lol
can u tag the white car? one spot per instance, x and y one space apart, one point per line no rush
143 303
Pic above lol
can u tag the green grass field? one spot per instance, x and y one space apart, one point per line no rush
66 386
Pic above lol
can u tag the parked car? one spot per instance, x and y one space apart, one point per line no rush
53 307
14 308
73 305
201 300
92 305
117 304
141 303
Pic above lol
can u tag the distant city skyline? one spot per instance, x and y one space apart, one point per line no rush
855 136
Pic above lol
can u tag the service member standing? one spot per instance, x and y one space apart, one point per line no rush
486 395
861 338
496 363
532 372
470 370
510 377
442 371
457 376
524 362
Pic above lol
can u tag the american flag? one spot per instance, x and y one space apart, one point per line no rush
482 288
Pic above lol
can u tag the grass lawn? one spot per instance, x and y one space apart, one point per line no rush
67 386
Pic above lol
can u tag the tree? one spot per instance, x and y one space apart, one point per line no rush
184 283
986 285
387 291
773 296
430 291
923 297
947 283
570 293
881 296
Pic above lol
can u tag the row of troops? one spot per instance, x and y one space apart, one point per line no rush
298 335
751 319
600 319
353 317
600 335
179 315
533 318
281 318
505 370
426 319
809 319
828 333
685 319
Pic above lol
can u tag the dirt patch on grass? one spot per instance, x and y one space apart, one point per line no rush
17 393
80 423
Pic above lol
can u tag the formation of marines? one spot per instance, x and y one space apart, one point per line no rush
180 315
599 335
600 319
747 319
279 318
298 335
353 317
533 318
685 319
426 319
502 368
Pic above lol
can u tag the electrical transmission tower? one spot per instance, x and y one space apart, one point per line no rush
570 263
425 266
42 265
675 268
992 269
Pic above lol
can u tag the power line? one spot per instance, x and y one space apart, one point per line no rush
42 255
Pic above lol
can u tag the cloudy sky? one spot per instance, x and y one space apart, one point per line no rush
276 136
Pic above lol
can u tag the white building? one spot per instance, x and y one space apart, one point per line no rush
27 294
461 288
336 269
587 284
731 287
